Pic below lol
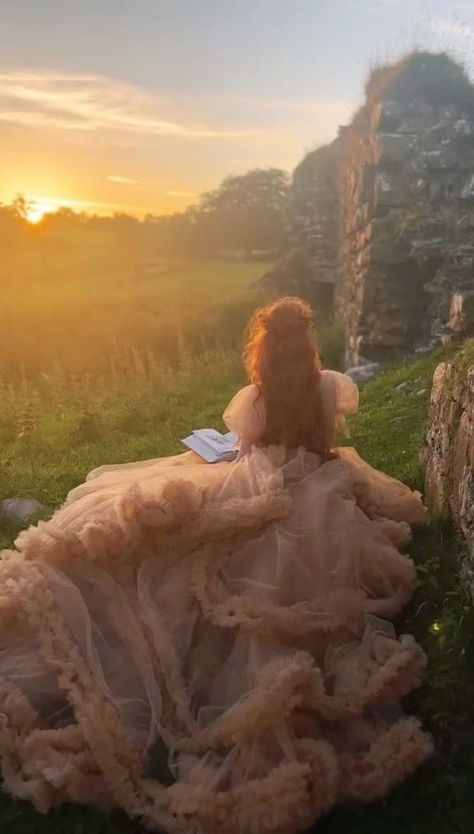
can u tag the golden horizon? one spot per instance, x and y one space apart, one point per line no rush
40 205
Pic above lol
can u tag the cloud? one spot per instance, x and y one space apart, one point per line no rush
139 186
86 103
124 180
457 29
91 108
181 194
55 203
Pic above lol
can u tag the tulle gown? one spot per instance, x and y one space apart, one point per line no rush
208 646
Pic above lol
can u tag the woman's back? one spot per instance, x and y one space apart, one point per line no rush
246 414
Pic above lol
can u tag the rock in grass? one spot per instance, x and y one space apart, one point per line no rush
362 373
20 509
422 350
404 387
449 449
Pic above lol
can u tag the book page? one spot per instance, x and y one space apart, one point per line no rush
219 442
196 444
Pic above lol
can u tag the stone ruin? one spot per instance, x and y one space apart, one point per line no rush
448 455
381 221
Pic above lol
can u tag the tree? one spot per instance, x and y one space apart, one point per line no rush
12 221
245 212
265 188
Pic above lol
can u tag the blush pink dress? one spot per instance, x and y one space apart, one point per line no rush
208 647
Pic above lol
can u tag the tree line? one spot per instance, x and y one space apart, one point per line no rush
244 214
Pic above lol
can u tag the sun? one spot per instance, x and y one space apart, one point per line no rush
34 215
36 211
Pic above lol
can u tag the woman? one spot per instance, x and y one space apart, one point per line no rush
206 646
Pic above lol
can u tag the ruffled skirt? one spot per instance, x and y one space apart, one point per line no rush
208 647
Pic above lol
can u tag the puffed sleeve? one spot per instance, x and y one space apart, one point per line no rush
340 396
246 415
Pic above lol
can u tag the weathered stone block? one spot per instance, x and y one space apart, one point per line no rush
391 148
465 160
416 124
467 192
449 448
386 115
466 221
387 191
420 186
388 251
440 158
464 127
461 314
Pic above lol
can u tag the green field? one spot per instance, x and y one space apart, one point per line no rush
60 418
82 314
99 369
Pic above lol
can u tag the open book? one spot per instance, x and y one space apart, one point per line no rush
212 446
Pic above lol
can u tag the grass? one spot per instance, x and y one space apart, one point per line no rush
55 429
389 432
435 78
84 312
389 429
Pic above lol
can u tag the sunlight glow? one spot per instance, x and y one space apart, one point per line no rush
35 212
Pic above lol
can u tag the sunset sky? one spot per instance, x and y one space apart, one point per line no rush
139 105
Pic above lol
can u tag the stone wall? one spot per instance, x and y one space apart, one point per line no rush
381 221
407 224
449 451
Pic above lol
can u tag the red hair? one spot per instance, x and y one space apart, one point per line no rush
282 360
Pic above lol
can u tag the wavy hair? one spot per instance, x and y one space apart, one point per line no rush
282 361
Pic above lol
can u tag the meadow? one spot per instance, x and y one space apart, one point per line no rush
115 365
78 309
115 368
